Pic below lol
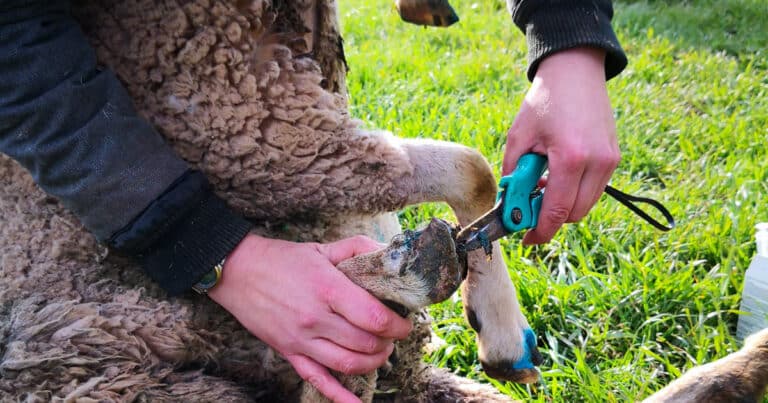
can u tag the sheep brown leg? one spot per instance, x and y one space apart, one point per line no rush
461 177
739 377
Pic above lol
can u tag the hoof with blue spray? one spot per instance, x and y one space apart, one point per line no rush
521 371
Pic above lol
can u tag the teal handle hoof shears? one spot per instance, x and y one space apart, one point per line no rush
519 203
520 196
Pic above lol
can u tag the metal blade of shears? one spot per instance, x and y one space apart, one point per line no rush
483 231
517 208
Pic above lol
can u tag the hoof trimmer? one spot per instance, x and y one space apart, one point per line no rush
519 203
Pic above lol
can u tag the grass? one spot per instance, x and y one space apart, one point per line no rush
619 308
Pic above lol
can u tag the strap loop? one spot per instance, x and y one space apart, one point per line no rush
629 201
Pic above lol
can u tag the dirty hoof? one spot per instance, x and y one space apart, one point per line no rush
436 13
503 372
521 371
433 257
415 270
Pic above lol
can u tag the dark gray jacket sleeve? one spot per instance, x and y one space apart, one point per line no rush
553 25
73 126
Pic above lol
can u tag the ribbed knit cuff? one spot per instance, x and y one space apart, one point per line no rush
568 25
183 234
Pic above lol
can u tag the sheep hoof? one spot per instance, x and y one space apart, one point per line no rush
415 270
521 371
436 13
435 260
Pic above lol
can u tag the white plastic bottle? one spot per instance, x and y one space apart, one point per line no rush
754 298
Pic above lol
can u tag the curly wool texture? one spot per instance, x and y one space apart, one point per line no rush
74 324
232 87
77 324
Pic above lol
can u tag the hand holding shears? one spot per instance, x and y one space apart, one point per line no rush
519 204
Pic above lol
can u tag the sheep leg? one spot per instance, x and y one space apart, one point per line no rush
429 171
739 377
462 177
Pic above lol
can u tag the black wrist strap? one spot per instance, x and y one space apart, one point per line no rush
629 201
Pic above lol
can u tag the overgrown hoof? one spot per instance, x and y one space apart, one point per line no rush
436 13
520 371
435 260
416 269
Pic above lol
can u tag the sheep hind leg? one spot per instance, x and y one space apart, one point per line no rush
738 377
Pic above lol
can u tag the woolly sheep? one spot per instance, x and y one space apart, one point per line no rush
253 94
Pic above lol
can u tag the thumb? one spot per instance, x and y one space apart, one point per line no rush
519 142
347 248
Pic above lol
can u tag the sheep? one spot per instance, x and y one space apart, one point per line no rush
738 377
252 93
275 136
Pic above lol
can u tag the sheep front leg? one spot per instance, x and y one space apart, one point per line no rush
462 177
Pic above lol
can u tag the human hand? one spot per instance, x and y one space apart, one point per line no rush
567 116
292 297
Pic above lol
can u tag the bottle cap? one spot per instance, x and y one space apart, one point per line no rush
761 239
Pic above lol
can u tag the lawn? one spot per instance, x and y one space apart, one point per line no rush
619 308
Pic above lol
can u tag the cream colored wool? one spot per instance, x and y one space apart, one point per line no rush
226 85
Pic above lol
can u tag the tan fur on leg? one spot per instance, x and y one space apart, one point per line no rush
739 377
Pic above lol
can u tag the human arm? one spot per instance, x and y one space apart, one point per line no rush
73 126
566 114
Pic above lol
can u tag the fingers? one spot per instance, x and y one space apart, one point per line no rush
321 379
593 183
354 303
573 188
517 143
351 337
606 166
347 248
563 186
596 175
366 312
329 354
